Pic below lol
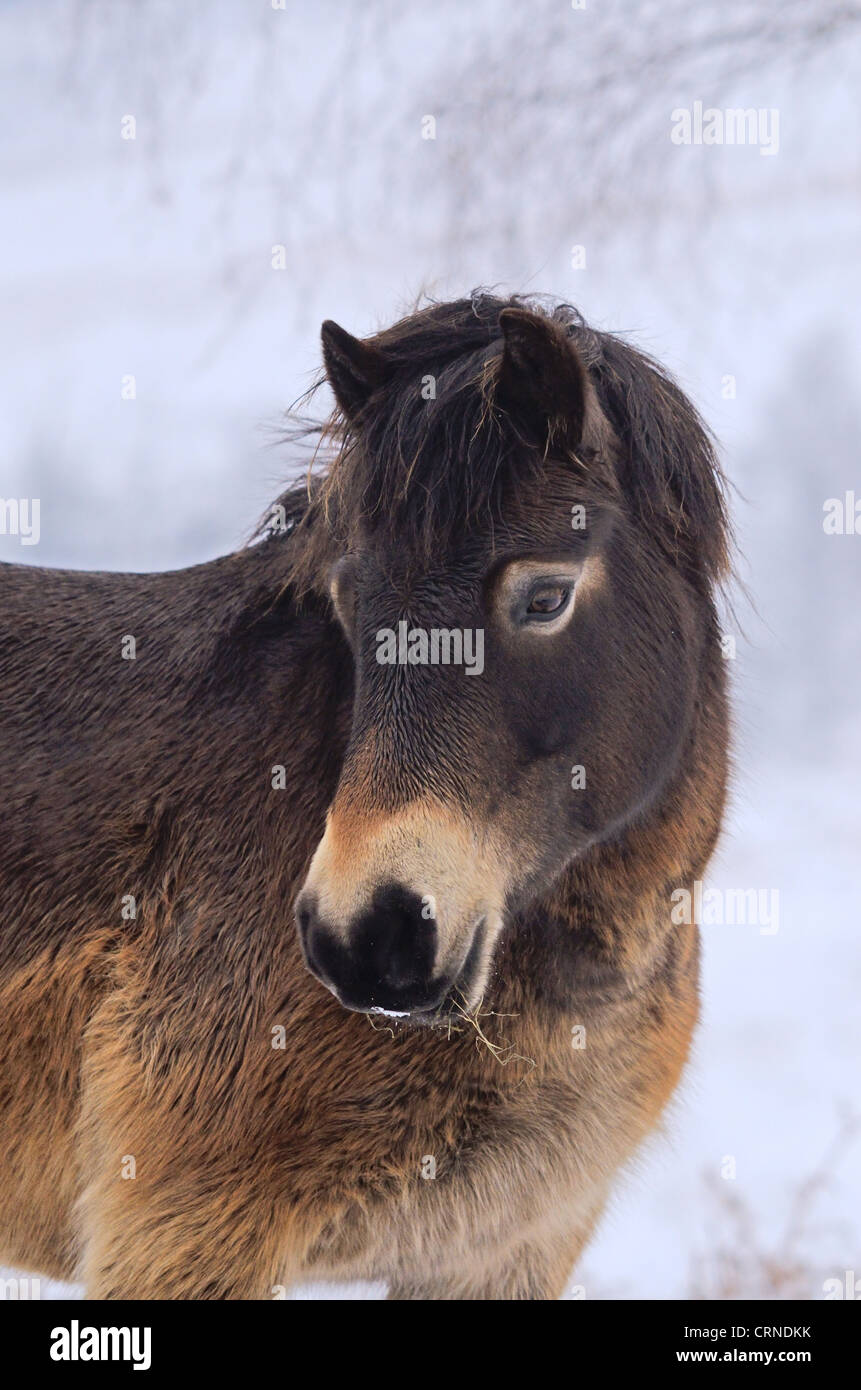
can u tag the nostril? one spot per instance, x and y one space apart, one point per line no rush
311 933
305 908
324 956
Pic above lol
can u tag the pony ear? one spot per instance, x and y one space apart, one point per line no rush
355 369
542 379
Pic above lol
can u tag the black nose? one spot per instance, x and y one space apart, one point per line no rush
384 960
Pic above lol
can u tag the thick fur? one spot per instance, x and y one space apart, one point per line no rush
145 1044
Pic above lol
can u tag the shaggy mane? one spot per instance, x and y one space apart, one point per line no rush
424 471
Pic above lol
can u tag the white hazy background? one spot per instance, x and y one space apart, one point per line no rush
301 128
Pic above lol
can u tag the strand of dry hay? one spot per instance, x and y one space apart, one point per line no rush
501 1052
381 1027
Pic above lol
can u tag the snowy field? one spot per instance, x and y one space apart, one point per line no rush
153 258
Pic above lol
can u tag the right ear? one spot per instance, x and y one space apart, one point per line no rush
542 378
355 369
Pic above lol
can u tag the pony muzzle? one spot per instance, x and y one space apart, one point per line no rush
400 916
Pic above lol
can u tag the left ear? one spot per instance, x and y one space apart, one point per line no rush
542 378
355 369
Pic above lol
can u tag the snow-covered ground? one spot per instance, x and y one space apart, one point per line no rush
152 258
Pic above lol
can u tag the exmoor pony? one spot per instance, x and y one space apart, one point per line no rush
328 950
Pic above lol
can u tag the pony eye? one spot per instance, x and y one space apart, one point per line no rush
547 601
